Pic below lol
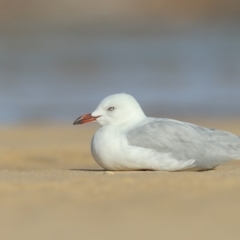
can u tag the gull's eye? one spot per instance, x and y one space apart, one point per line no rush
111 109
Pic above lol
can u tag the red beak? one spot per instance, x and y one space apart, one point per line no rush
85 119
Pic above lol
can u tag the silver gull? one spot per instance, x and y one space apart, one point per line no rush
128 140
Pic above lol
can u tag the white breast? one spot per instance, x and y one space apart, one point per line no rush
109 148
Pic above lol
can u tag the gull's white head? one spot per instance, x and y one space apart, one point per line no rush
113 110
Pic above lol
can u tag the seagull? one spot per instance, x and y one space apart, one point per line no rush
129 140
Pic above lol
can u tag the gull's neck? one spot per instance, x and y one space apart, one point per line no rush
133 120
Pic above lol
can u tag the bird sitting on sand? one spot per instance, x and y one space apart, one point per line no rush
128 140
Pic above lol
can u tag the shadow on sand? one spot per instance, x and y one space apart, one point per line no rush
88 170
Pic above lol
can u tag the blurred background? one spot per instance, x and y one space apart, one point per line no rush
59 58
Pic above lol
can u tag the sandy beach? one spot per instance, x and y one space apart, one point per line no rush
51 188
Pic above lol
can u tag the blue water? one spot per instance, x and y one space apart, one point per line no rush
56 77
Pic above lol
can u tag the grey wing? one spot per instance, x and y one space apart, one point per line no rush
208 147
225 139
